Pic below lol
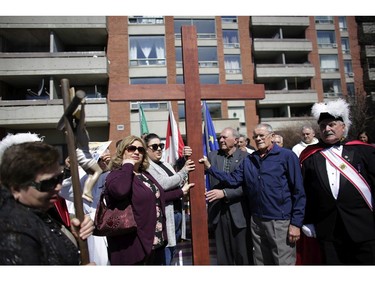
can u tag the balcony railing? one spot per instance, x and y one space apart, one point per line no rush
147 62
146 20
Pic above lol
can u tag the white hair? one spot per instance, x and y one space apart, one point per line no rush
336 108
11 139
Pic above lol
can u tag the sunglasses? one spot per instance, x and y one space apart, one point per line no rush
133 148
155 146
48 185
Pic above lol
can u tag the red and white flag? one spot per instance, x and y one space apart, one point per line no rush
174 143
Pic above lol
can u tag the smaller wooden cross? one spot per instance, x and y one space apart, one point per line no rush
65 124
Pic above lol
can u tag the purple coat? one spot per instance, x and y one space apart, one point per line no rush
131 248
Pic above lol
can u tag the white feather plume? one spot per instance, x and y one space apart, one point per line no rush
11 139
337 108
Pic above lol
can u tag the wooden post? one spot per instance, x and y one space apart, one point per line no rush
69 108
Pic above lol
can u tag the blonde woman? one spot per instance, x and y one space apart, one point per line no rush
129 179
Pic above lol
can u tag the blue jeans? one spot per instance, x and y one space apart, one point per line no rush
170 251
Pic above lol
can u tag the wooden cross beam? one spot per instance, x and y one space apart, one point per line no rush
192 92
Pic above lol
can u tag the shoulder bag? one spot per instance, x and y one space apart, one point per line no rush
114 221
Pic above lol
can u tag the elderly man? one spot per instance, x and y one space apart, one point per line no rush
279 140
308 138
273 181
339 180
227 207
244 145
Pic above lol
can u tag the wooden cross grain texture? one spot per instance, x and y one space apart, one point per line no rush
192 92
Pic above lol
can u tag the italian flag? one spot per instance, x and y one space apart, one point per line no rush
174 143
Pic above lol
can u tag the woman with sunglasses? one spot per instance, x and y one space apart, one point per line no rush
169 179
31 179
129 179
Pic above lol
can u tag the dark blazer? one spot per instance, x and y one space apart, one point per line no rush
236 200
321 207
132 248
31 237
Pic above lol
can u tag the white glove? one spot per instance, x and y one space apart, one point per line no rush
309 230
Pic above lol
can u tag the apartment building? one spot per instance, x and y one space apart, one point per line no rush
299 59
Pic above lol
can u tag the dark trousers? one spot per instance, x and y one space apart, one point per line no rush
349 253
343 251
233 245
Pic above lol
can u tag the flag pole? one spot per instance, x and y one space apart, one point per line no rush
140 119
205 126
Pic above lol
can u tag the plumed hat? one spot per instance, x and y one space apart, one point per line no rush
335 110
11 139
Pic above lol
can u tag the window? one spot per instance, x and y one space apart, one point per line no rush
234 81
342 23
345 45
209 78
205 27
300 111
228 19
332 87
230 38
324 20
149 80
350 88
147 50
145 20
329 63
203 79
273 112
326 38
232 63
371 63
214 108
348 67
207 57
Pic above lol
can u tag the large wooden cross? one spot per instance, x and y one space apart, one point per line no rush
192 92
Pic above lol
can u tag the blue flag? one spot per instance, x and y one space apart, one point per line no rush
210 142
209 134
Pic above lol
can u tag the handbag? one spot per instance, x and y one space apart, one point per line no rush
114 221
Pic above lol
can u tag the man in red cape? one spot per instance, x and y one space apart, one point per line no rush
339 181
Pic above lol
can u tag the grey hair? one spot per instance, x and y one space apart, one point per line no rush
268 127
307 127
235 133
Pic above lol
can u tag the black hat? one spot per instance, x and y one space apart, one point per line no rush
326 115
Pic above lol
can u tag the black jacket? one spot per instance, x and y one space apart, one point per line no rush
349 210
31 237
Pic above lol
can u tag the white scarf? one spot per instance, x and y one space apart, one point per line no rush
351 174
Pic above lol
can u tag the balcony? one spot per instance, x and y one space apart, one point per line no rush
289 97
47 113
282 45
267 71
60 63
280 21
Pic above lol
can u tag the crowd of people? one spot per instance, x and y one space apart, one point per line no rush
266 205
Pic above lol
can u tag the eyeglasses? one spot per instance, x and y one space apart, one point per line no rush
261 136
48 185
155 146
133 148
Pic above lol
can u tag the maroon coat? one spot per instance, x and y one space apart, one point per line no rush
131 248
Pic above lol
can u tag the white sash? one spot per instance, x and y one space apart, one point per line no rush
351 174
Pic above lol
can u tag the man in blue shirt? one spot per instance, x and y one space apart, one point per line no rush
274 186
